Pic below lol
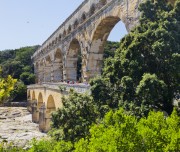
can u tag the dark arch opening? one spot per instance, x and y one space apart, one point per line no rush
83 17
74 62
40 100
76 24
69 29
92 9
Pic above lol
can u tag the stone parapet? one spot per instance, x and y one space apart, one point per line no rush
80 88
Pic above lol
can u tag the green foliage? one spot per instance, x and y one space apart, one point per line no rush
19 92
120 132
15 62
18 64
4 147
6 86
27 78
42 146
74 119
145 71
110 48
151 90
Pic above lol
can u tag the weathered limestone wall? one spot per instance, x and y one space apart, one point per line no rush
89 27
47 98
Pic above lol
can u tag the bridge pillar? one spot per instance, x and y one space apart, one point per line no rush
45 119
35 112
42 115
29 105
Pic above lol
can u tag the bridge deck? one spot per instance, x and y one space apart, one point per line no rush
60 86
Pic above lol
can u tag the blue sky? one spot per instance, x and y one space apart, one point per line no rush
31 22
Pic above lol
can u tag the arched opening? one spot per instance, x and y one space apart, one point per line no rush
40 100
50 107
51 104
41 71
47 69
33 96
59 38
92 9
76 24
83 17
69 29
56 41
64 33
99 39
74 62
58 66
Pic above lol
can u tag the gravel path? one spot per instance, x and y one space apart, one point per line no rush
16 126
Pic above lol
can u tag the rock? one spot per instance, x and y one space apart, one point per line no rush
16 126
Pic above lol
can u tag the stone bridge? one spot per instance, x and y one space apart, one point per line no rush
79 41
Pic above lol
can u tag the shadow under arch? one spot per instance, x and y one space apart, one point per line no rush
74 61
58 66
45 118
28 94
33 95
40 100
98 41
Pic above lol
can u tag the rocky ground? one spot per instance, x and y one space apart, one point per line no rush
16 126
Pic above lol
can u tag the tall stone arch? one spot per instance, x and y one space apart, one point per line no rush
58 66
72 56
48 68
98 41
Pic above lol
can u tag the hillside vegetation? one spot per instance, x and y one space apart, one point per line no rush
18 64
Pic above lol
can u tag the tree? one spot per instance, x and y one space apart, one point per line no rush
120 132
6 86
153 48
73 121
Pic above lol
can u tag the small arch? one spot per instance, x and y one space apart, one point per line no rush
40 100
83 17
92 9
48 59
33 95
59 38
73 61
69 29
56 40
58 55
76 24
64 33
51 104
58 66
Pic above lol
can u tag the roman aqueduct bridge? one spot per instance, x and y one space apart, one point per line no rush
82 35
